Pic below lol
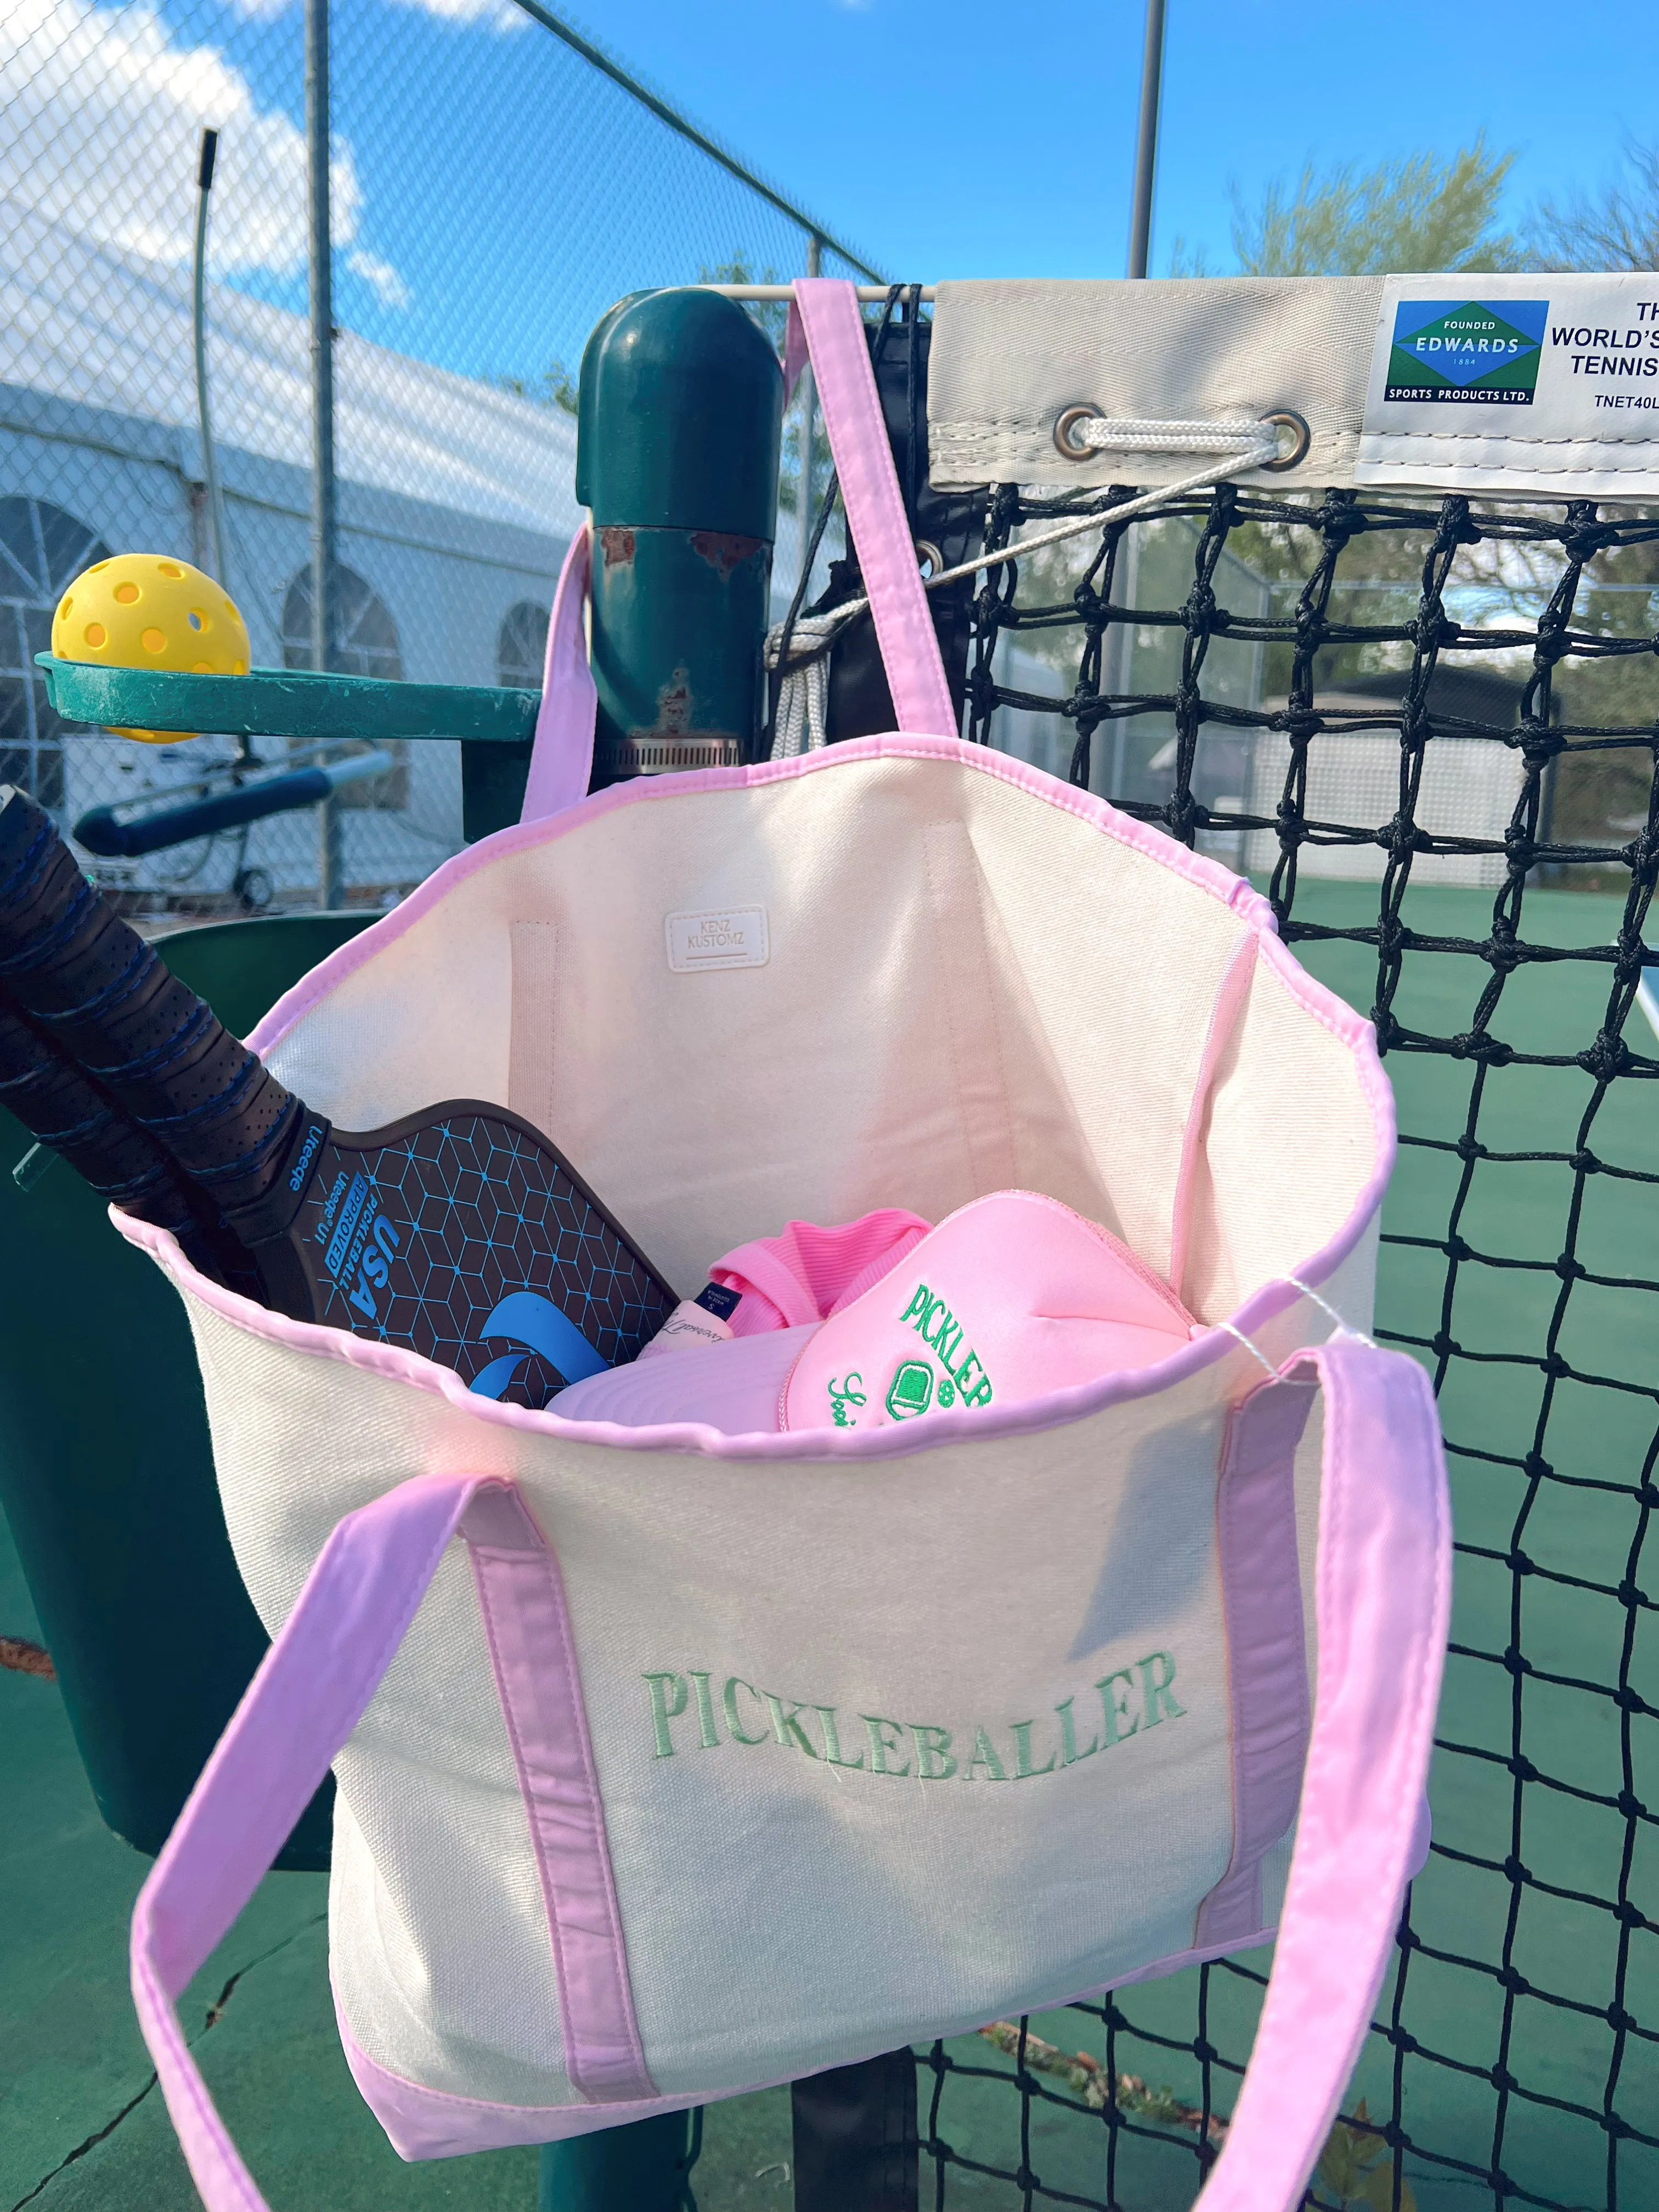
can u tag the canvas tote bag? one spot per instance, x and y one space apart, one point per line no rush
672 1763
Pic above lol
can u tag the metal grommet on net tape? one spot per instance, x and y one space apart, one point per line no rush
1068 420
1286 418
1143 435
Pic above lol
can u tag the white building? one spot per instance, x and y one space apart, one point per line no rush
456 506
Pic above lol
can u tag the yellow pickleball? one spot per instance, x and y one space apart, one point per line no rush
149 611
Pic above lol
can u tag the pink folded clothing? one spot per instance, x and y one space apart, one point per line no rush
734 1387
885 1320
781 1282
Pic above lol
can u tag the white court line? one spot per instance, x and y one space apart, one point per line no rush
1647 998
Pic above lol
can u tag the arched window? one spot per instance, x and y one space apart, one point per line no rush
366 645
521 646
41 549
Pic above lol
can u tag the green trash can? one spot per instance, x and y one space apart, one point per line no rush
105 1466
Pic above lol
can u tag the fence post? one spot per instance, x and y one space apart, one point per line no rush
324 627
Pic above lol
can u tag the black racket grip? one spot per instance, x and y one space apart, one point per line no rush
108 1001
61 1107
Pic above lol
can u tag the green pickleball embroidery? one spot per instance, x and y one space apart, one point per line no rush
911 1390
843 1394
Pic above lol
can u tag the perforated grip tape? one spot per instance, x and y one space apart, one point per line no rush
63 1108
107 1000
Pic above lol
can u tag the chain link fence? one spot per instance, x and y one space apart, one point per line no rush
494 189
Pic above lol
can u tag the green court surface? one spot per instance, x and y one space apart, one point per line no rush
80 2125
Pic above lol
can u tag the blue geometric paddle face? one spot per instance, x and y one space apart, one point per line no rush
462 1235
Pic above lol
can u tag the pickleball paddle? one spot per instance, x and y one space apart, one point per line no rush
460 1231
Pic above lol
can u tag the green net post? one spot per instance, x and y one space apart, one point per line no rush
644 2166
677 456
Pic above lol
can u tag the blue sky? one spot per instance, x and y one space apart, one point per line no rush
493 196
996 137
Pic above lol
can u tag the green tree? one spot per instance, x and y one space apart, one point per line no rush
555 388
1417 213
1617 228
559 386
1421 214
772 315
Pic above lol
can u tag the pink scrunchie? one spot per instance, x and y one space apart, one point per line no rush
808 1273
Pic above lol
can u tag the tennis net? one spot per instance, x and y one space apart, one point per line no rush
1426 726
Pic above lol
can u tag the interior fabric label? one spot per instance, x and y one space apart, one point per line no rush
1541 384
723 937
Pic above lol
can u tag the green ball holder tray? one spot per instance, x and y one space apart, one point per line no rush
493 725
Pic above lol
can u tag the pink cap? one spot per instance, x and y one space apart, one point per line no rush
1011 1296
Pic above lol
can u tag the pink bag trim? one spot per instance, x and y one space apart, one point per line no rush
830 315
1383 1594
986 1425
1351 1028
422 2123
1267 1658
309 1693
1271 1299
527 1626
561 756
1384 1604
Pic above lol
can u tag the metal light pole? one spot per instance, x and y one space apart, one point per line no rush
1152 75
324 626
216 504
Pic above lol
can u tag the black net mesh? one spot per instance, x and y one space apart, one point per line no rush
1427 728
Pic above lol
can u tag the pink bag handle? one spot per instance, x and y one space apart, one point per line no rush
1383 1597
310 1693
827 307
562 756
1382 1601
825 320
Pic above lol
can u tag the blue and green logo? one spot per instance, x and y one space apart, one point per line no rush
1483 351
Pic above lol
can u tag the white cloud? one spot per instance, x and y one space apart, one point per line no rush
494 14
103 118
382 278
498 15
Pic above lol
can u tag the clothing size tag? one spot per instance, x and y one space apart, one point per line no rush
721 937
1516 384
